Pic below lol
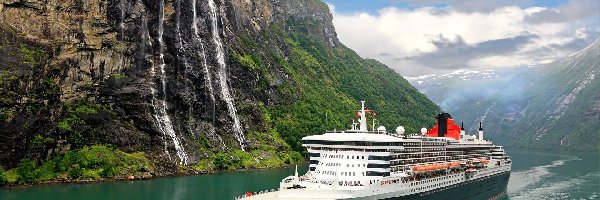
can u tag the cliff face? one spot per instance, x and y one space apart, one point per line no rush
183 79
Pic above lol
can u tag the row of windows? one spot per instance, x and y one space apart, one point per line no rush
337 164
326 172
372 165
385 158
371 173
339 156
424 154
349 173
351 143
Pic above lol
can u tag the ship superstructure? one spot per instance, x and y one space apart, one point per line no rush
443 163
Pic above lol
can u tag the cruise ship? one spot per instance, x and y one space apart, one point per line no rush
441 163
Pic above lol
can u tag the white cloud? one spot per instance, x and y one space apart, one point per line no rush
395 36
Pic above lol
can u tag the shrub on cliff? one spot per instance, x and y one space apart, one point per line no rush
3 179
26 171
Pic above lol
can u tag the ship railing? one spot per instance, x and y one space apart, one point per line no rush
249 194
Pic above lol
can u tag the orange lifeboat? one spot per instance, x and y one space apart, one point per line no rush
433 167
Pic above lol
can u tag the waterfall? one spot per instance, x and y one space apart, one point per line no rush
207 76
226 95
145 35
160 106
122 19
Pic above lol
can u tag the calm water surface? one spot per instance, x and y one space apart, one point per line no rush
535 175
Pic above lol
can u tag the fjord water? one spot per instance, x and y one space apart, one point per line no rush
554 175
535 175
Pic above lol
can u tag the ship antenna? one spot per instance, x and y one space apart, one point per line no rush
480 132
462 126
296 172
363 118
373 124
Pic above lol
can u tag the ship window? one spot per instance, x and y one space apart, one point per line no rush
372 165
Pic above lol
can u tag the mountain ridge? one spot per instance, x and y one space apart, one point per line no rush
550 106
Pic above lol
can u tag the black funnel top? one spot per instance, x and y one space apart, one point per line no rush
443 124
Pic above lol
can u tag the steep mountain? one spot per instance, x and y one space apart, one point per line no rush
188 84
551 106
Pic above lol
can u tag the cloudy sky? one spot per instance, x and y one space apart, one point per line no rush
417 37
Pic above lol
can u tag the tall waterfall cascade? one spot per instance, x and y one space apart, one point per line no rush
222 74
160 106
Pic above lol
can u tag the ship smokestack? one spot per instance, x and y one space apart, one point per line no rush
480 132
462 130
443 124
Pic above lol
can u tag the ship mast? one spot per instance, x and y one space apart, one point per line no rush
363 117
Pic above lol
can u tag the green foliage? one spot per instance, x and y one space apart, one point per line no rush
12 175
119 76
26 171
31 56
92 162
249 61
81 122
85 109
50 88
3 178
221 161
67 123
39 139
238 159
75 171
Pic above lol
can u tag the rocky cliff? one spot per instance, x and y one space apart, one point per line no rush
183 80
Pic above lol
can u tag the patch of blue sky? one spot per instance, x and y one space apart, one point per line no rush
373 6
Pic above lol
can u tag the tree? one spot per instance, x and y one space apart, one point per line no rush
26 171
3 179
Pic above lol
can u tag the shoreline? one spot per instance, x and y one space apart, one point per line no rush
123 179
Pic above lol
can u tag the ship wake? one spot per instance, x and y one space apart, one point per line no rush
561 189
520 180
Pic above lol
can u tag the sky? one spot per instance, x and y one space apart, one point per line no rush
417 37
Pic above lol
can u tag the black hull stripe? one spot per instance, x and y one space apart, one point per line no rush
492 187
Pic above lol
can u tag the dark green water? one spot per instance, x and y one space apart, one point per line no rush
536 175
554 175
